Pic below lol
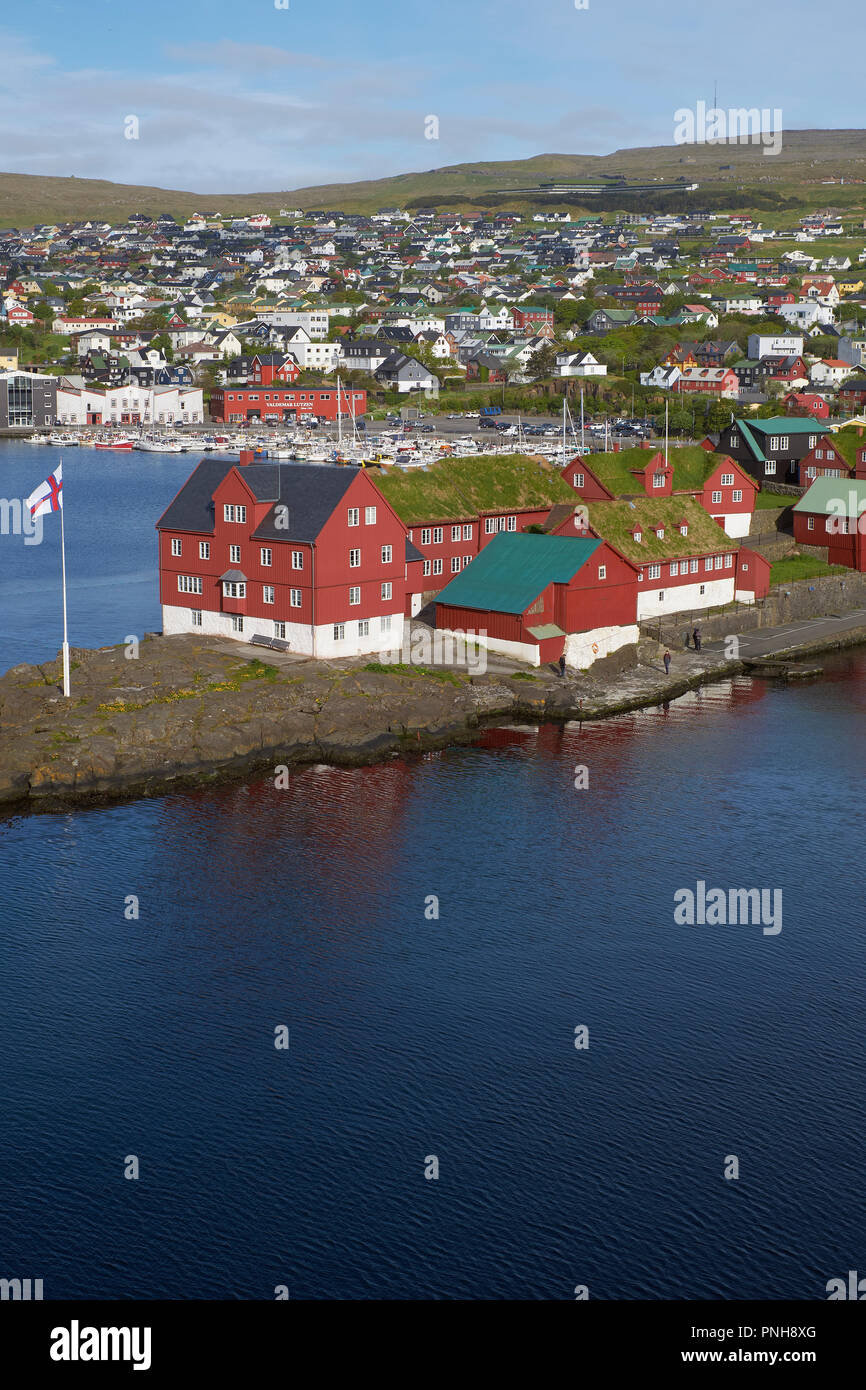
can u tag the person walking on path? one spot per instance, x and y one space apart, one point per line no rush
696 638
562 666
667 661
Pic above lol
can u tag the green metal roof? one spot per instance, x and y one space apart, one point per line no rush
834 497
787 424
509 573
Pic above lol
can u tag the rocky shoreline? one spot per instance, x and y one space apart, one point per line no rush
189 712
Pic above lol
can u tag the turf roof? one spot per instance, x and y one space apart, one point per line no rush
692 466
460 489
615 522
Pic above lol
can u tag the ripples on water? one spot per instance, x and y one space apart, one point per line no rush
453 1037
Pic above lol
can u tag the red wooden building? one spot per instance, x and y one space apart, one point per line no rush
833 514
270 367
538 597
233 404
306 554
838 454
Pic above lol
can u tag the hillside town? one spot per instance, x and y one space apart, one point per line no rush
716 367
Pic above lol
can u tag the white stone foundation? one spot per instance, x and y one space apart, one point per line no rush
681 598
299 636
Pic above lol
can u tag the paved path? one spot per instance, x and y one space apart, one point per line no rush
799 632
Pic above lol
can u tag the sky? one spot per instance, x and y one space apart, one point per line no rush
244 97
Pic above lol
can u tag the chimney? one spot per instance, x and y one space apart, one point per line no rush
246 457
616 446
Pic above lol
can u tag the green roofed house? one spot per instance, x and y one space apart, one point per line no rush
771 450
538 597
833 514
685 560
456 506
722 487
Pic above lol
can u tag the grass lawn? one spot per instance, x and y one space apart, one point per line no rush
772 501
802 567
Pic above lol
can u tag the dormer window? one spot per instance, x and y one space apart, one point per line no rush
660 532
684 529
658 479
638 535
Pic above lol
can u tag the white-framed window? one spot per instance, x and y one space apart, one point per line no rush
297 559
237 623
735 439
784 441
675 568
703 588
354 516
267 593
233 513
195 617
188 584
813 440
579 479
234 588
455 564
810 523
708 563
638 535
490 525
426 569
176 547
770 467
387 554
425 535
819 453
512 523
385 623
296 598
280 630
370 516
204 550
437 566
234 554
655 572
658 479
727 480
455 533
364 627
266 555
693 566
467 560
720 560
716 498
737 494
467 532
774 441
437 535
354 594
354 559
339 632
729 562
661 595
602 571
386 590
684 529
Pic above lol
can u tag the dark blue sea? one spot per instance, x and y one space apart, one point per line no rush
412 1036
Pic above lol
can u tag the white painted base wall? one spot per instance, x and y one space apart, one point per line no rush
299 635
583 648
683 597
578 645
736 524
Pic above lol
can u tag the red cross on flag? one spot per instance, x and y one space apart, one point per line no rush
48 497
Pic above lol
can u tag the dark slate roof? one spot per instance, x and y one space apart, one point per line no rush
311 491
412 551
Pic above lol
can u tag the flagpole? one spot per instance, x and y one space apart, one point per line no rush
65 630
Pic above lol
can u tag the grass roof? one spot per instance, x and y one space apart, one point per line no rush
615 522
460 489
848 441
692 466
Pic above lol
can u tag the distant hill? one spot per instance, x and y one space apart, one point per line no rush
807 160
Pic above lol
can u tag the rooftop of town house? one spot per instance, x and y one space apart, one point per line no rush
510 572
459 489
692 467
843 497
849 441
310 491
784 424
617 521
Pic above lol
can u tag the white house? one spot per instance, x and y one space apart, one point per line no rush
579 364
665 378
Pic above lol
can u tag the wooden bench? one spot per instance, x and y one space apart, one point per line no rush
274 644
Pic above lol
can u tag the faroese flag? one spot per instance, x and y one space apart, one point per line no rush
48 497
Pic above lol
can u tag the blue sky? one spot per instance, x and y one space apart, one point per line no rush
237 97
